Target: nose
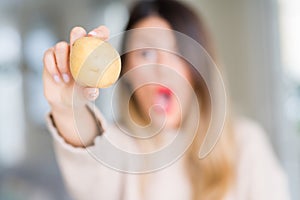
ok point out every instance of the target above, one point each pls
(164, 57)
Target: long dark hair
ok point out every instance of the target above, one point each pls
(212, 176)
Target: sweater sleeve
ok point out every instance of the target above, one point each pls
(84, 176)
(260, 175)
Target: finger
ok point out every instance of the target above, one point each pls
(76, 33)
(101, 32)
(91, 94)
(50, 65)
(61, 52)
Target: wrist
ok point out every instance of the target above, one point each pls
(67, 110)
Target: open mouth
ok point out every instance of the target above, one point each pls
(163, 98)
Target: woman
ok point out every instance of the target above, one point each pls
(241, 165)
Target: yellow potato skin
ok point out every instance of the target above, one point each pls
(94, 62)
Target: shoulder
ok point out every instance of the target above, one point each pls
(259, 173)
(249, 135)
(253, 143)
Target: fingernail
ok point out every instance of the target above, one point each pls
(66, 78)
(56, 78)
(93, 95)
(96, 34)
(93, 33)
(92, 92)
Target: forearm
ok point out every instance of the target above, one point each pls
(77, 127)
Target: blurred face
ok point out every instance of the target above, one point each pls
(165, 94)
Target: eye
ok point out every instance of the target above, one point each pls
(149, 55)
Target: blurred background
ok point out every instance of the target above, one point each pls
(257, 41)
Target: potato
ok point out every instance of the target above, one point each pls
(94, 62)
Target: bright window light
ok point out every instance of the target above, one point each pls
(290, 37)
